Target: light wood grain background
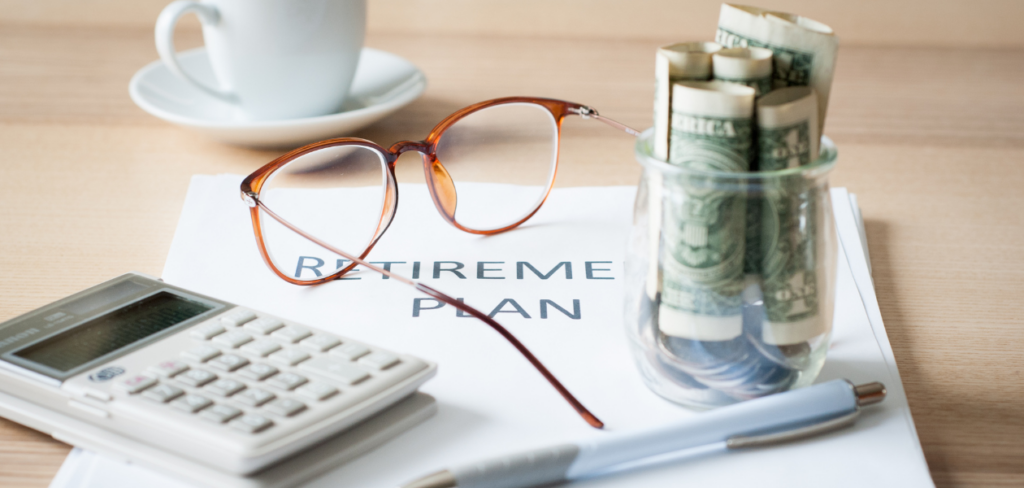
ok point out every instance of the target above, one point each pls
(957, 23)
(927, 111)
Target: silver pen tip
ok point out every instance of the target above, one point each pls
(440, 479)
(869, 393)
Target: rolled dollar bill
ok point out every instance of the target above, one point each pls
(804, 50)
(750, 66)
(687, 61)
(787, 121)
(702, 260)
(717, 114)
(788, 138)
(672, 63)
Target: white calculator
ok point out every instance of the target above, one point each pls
(143, 369)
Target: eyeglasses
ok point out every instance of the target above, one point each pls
(310, 194)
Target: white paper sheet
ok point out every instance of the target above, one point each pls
(490, 400)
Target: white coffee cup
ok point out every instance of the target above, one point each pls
(273, 59)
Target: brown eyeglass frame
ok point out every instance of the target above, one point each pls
(442, 191)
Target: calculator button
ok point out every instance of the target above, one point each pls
(317, 391)
(292, 334)
(206, 331)
(285, 407)
(229, 362)
(220, 413)
(287, 381)
(234, 338)
(251, 423)
(95, 394)
(264, 325)
(379, 360)
(289, 357)
(196, 377)
(136, 383)
(319, 343)
(254, 397)
(350, 351)
(168, 368)
(335, 369)
(192, 403)
(201, 353)
(163, 393)
(225, 387)
(261, 348)
(238, 317)
(258, 372)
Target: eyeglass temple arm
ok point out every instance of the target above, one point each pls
(590, 113)
(580, 409)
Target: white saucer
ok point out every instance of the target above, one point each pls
(383, 84)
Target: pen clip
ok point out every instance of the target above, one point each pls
(742, 441)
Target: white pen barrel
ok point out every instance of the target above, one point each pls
(791, 408)
(531, 468)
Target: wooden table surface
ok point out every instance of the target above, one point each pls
(930, 138)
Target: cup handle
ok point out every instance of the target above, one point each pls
(208, 15)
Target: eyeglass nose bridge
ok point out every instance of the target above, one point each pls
(401, 147)
(442, 188)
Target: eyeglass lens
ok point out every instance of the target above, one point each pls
(506, 145)
(336, 194)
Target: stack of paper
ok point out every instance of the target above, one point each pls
(490, 400)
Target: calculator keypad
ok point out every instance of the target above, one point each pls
(317, 391)
(351, 352)
(238, 317)
(264, 325)
(192, 403)
(225, 387)
(258, 371)
(196, 377)
(287, 381)
(169, 368)
(292, 334)
(136, 383)
(201, 353)
(379, 360)
(228, 362)
(255, 397)
(220, 413)
(243, 371)
(262, 347)
(251, 423)
(285, 407)
(163, 393)
(336, 369)
(207, 331)
(319, 343)
(233, 339)
(289, 357)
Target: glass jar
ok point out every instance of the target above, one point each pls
(730, 279)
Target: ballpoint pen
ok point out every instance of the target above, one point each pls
(770, 420)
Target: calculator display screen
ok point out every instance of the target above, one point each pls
(112, 331)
